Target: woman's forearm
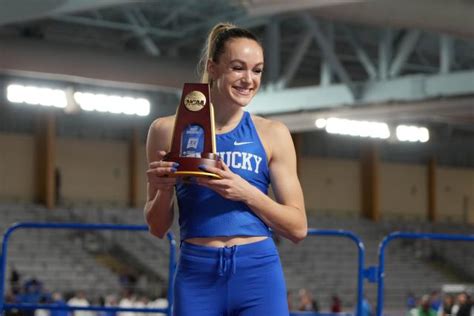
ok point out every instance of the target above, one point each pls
(288, 221)
(159, 213)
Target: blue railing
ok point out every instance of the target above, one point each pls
(319, 314)
(79, 226)
(373, 274)
(361, 259)
(403, 235)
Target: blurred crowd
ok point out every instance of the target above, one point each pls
(32, 291)
(436, 304)
(305, 302)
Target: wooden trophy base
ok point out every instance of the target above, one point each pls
(189, 166)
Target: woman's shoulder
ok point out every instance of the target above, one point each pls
(163, 124)
(160, 133)
(269, 126)
(273, 134)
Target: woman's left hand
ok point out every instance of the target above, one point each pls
(231, 185)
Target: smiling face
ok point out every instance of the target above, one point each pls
(237, 73)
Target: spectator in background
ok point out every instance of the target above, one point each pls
(127, 301)
(15, 281)
(32, 293)
(463, 305)
(336, 306)
(435, 300)
(366, 307)
(57, 299)
(411, 301)
(141, 302)
(79, 299)
(307, 303)
(11, 298)
(424, 308)
(447, 307)
(110, 301)
(40, 311)
(159, 302)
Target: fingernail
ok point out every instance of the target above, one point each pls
(202, 167)
(175, 164)
(173, 169)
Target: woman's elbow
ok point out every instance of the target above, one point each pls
(160, 233)
(299, 235)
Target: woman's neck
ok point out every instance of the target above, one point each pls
(226, 116)
(225, 119)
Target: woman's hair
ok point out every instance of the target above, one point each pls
(215, 45)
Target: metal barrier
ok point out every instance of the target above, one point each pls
(78, 226)
(373, 274)
(361, 272)
(404, 235)
(320, 314)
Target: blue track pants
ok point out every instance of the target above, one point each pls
(244, 280)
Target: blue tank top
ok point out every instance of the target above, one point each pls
(205, 213)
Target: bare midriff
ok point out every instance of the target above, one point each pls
(219, 242)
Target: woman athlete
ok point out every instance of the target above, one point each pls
(228, 263)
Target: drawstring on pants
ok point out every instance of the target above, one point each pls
(223, 267)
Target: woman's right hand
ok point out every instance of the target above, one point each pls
(158, 172)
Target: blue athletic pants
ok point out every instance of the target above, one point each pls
(243, 280)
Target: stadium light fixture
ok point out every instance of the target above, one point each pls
(33, 95)
(112, 103)
(62, 98)
(406, 133)
(320, 123)
(340, 126)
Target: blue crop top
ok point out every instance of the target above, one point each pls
(205, 213)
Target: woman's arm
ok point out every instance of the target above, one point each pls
(286, 216)
(160, 190)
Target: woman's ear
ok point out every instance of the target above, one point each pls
(211, 69)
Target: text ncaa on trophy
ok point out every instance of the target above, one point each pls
(194, 139)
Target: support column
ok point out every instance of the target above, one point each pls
(385, 53)
(132, 167)
(46, 160)
(446, 54)
(369, 164)
(326, 71)
(272, 38)
(431, 215)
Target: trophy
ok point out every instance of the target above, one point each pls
(194, 138)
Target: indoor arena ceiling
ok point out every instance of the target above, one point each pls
(381, 59)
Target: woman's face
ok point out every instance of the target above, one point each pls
(238, 71)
